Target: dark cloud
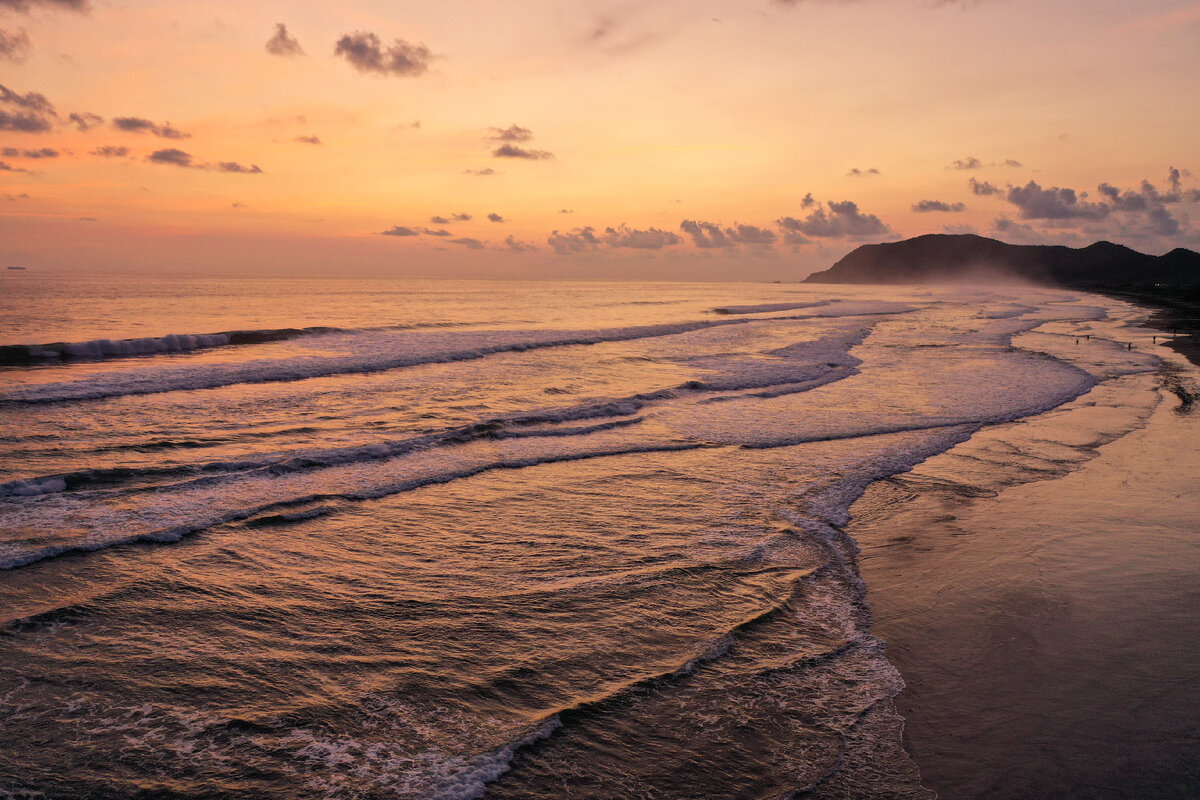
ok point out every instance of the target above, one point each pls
(750, 234)
(708, 235)
(1035, 202)
(862, 173)
(108, 151)
(510, 243)
(438, 232)
(468, 242)
(32, 102)
(14, 45)
(460, 217)
(649, 239)
(13, 152)
(1127, 201)
(837, 220)
(808, 201)
(84, 121)
(705, 235)
(233, 166)
(281, 44)
(795, 238)
(88, 219)
(1010, 162)
(439, 220)
(141, 125)
(484, 171)
(307, 139)
(82, 6)
(576, 240)
(937, 205)
(970, 162)
(983, 188)
(512, 151)
(566, 211)
(6, 167)
(1161, 221)
(15, 197)
(513, 133)
(398, 230)
(171, 155)
(493, 217)
(366, 53)
(23, 122)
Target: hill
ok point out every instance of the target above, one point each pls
(939, 258)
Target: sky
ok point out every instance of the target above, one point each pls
(699, 140)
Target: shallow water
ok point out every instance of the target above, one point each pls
(470, 539)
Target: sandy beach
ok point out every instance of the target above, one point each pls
(1046, 625)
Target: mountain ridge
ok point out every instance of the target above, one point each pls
(940, 257)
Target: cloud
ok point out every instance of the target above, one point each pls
(281, 44)
(6, 167)
(649, 239)
(970, 162)
(1011, 162)
(959, 229)
(82, 6)
(13, 152)
(85, 121)
(494, 217)
(141, 125)
(1161, 221)
(366, 53)
(439, 220)
(513, 133)
(576, 240)
(307, 139)
(807, 201)
(438, 232)
(937, 205)
(510, 243)
(861, 173)
(23, 122)
(460, 217)
(705, 235)
(108, 151)
(708, 235)
(566, 211)
(88, 219)
(398, 230)
(1035, 202)
(841, 220)
(233, 166)
(30, 101)
(983, 188)
(14, 46)
(750, 234)
(484, 171)
(15, 197)
(171, 155)
(468, 242)
(512, 151)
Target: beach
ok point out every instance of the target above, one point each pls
(1046, 623)
(458, 540)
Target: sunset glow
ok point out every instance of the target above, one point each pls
(234, 136)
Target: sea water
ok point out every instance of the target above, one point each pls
(334, 538)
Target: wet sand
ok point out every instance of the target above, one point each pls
(1039, 590)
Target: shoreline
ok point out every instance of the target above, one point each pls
(1041, 610)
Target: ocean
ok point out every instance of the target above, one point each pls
(371, 538)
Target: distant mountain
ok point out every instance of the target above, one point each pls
(938, 258)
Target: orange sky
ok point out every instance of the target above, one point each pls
(709, 140)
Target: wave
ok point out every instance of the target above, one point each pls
(15, 355)
(372, 353)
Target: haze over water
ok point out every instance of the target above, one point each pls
(526, 539)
